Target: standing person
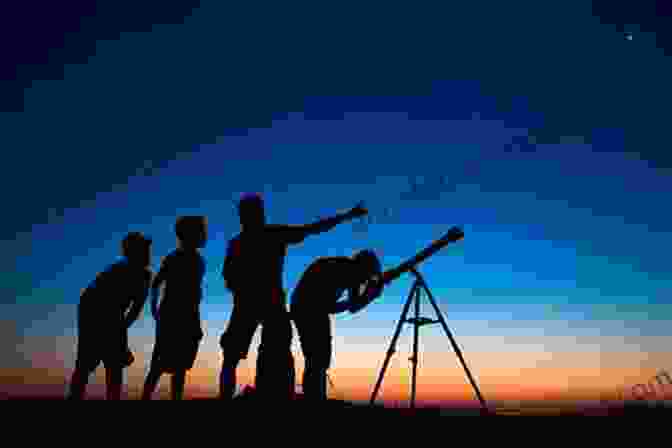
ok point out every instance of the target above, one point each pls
(108, 307)
(178, 320)
(253, 271)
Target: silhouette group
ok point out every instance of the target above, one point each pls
(253, 273)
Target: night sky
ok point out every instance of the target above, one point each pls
(536, 127)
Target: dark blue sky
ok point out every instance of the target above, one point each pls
(547, 125)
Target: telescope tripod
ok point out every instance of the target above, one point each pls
(417, 322)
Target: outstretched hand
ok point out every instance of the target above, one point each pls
(358, 210)
(454, 234)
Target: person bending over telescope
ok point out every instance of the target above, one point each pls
(317, 295)
(252, 271)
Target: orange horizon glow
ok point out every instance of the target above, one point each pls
(510, 377)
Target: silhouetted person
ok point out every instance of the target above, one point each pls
(317, 296)
(108, 307)
(178, 320)
(314, 299)
(253, 272)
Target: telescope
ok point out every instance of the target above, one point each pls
(373, 288)
(376, 281)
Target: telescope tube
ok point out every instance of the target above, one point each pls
(376, 284)
(453, 235)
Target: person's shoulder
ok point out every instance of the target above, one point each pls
(111, 276)
(172, 255)
(287, 233)
(133, 273)
(116, 268)
(235, 239)
(147, 274)
(273, 228)
(137, 277)
(187, 256)
(336, 259)
(119, 263)
(234, 243)
(326, 262)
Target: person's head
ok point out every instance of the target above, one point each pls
(191, 231)
(136, 248)
(251, 211)
(367, 267)
(367, 264)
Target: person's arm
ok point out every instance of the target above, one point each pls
(228, 270)
(324, 225)
(341, 307)
(156, 285)
(349, 304)
(138, 302)
(299, 233)
(373, 291)
(354, 306)
(377, 285)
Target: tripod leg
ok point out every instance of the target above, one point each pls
(454, 344)
(393, 343)
(414, 358)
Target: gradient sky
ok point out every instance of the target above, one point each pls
(561, 287)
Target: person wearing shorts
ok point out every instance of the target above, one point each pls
(178, 320)
(108, 306)
(253, 271)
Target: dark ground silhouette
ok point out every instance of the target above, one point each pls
(300, 407)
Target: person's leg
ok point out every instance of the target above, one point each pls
(153, 376)
(316, 345)
(151, 382)
(292, 376)
(303, 331)
(227, 378)
(78, 383)
(235, 343)
(113, 379)
(116, 353)
(178, 380)
(275, 366)
(85, 364)
(315, 381)
(185, 362)
(269, 371)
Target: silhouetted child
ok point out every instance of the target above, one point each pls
(253, 271)
(107, 308)
(178, 320)
(315, 298)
